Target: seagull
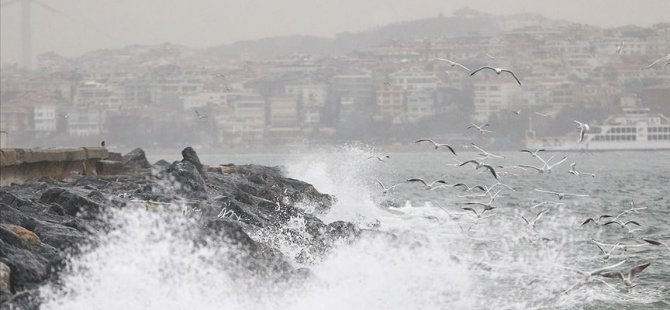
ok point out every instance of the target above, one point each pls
(619, 48)
(453, 63)
(531, 223)
(606, 255)
(622, 246)
(485, 153)
(517, 112)
(469, 189)
(599, 270)
(102, 143)
(573, 170)
(632, 209)
(386, 189)
(487, 206)
(200, 116)
(380, 158)
(533, 153)
(498, 71)
(583, 128)
(480, 128)
(544, 114)
(437, 145)
(561, 195)
(429, 186)
(657, 61)
(546, 167)
(591, 273)
(481, 165)
(624, 225)
(597, 222)
(628, 279)
(477, 214)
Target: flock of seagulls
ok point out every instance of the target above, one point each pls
(482, 201)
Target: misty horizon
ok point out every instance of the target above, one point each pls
(72, 31)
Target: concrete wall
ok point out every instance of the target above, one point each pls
(19, 165)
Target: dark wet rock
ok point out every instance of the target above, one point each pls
(73, 204)
(135, 160)
(187, 179)
(189, 155)
(44, 221)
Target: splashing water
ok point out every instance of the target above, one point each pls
(422, 257)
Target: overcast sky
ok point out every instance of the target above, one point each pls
(78, 26)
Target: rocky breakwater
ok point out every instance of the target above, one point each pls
(44, 222)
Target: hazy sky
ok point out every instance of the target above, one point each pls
(83, 25)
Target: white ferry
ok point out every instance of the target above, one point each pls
(636, 129)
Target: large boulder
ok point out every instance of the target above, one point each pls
(187, 179)
(136, 159)
(189, 155)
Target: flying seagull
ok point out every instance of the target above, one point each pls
(546, 167)
(477, 214)
(573, 170)
(429, 186)
(468, 188)
(386, 189)
(380, 158)
(583, 128)
(480, 128)
(547, 202)
(561, 195)
(533, 153)
(537, 217)
(606, 254)
(437, 145)
(632, 209)
(481, 165)
(517, 112)
(453, 63)
(622, 224)
(487, 206)
(597, 221)
(628, 279)
(498, 71)
(591, 273)
(485, 153)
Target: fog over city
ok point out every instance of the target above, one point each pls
(335, 154)
(256, 74)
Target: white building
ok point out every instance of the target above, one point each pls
(420, 104)
(85, 121)
(44, 117)
(415, 79)
(494, 96)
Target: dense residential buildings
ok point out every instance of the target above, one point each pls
(170, 93)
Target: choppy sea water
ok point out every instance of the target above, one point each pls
(444, 257)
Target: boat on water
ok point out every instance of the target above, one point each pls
(635, 129)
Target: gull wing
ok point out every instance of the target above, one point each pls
(530, 167)
(587, 221)
(417, 180)
(637, 269)
(449, 147)
(469, 161)
(482, 68)
(558, 162)
(600, 270)
(493, 171)
(513, 75)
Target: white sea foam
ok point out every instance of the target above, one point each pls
(427, 258)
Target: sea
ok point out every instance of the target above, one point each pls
(440, 256)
